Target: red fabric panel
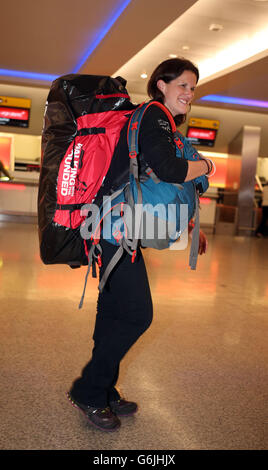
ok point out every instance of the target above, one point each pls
(92, 158)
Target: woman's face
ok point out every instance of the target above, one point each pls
(178, 93)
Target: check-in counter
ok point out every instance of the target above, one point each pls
(18, 197)
(208, 206)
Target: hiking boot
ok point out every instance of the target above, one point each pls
(123, 407)
(101, 418)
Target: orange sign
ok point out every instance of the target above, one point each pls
(15, 102)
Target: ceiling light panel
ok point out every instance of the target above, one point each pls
(27, 75)
(235, 100)
(241, 21)
(102, 33)
(86, 41)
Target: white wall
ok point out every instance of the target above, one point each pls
(262, 167)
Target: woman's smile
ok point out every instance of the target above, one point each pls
(179, 93)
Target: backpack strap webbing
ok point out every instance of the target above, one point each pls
(92, 257)
(195, 235)
(133, 144)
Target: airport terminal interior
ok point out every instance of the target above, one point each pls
(199, 374)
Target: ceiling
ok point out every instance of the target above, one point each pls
(59, 37)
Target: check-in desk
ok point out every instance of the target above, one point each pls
(18, 197)
(208, 206)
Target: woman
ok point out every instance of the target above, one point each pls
(124, 309)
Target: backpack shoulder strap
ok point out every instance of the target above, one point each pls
(134, 127)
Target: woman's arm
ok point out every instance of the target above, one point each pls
(196, 169)
(159, 151)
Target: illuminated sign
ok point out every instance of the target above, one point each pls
(202, 131)
(203, 134)
(14, 111)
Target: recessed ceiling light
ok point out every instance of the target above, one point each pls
(144, 75)
(237, 52)
(215, 27)
(185, 48)
(172, 56)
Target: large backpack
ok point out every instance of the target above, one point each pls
(83, 120)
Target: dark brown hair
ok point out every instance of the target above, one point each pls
(168, 71)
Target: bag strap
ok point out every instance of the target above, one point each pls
(133, 144)
(92, 257)
(195, 235)
(134, 126)
(133, 134)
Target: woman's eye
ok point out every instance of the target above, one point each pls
(184, 85)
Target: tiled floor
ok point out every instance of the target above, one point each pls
(199, 374)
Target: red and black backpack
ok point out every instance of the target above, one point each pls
(82, 124)
(84, 116)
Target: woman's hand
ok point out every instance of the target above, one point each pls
(203, 242)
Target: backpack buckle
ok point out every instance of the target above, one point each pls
(178, 143)
(133, 256)
(117, 234)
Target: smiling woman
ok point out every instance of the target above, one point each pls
(173, 84)
(174, 80)
(179, 92)
(124, 306)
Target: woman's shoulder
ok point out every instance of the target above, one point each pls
(156, 116)
(155, 109)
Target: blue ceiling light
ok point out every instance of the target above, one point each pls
(101, 34)
(31, 75)
(234, 100)
(48, 77)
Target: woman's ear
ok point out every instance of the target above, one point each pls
(161, 85)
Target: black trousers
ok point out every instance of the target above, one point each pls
(124, 312)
